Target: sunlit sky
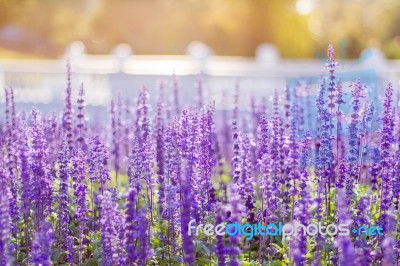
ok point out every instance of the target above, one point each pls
(298, 28)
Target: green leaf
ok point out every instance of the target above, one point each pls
(91, 262)
(204, 261)
(278, 263)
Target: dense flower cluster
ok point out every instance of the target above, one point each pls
(123, 190)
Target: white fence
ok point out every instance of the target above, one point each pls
(42, 82)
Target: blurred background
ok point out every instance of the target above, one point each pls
(298, 28)
(116, 46)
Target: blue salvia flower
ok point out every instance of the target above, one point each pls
(25, 178)
(388, 245)
(120, 226)
(206, 161)
(187, 144)
(354, 139)
(143, 124)
(246, 181)
(63, 199)
(6, 248)
(172, 165)
(225, 130)
(293, 159)
(159, 132)
(80, 192)
(302, 215)
(198, 193)
(53, 132)
(325, 154)
(41, 180)
(171, 155)
(236, 160)
(254, 117)
(145, 252)
(135, 166)
(148, 158)
(171, 215)
(189, 156)
(70, 250)
(342, 175)
(386, 169)
(98, 158)
(81, 123)
(116, 137)
(302, 212)
(396, 181)
(42, 245)
(127, 135)
(187, 150)
(389, 254)
(357, 94)
(234, 251)
(273, 166)
(340, 145)
(131, 226)
(263, 139)
(368, 115)
(108, 229)
(12, 149)
(67, 116)
(331, 64)
(220, 247)
(374, 168)
(362, 246)
(344, 243)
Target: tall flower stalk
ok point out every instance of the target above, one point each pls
(80, 192)
(42, 245)
(386, 162)
(62, 231)
(6, 247)
(81, 123)
(97, 169)
(41, 180)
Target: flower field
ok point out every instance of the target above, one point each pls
(131, 188)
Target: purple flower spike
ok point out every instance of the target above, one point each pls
(26, 189)
(187, 242)
(237, 209)
(81, 125)
(116, 128)
(42, 245)
(246, 181)
(344, 243)
(41, 180)
(62, 231)
(12, 149)
(220, 247)
(108, 228)
(131, 226)
(145, 251)
(188, 202)
(80, 191)
(159, 132)
(135, 167)
(67, 121)
(98, 158)
(70, 249)
(386, 163)
(6, 248)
